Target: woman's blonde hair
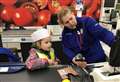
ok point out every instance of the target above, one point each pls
(63, 13)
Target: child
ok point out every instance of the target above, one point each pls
(41, 54)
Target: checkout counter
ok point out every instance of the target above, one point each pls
(104, 73)
(21, 40)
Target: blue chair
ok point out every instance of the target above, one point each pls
(7, 55)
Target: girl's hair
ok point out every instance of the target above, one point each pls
(35, 44)
(63, 13)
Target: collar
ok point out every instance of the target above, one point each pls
(44, 52)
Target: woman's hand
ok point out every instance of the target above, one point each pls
(81, 64)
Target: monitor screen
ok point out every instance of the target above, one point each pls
(117, 6)
(118, 1)
(109, 3)
(114, 55)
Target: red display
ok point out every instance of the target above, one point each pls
(8, 2)
(22, 17)
(54, 6)
(7, 13)
(92, 8)
(44, 17)
(41, 3)
(65, 2)
(39, 12)
(32, 7)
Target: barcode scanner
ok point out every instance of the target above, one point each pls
(79, 57)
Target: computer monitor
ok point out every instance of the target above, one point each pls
(117, 7)
(118, 1)
(109, 3)
(114, 56)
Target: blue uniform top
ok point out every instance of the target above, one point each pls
(86, 39)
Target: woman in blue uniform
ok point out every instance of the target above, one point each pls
(82, 35)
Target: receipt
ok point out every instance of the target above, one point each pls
(4, 69)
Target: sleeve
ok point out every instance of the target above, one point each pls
(67, 48)
(100, 32)
(69, 53)
(33, 62)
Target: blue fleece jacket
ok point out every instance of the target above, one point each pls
(86, 39)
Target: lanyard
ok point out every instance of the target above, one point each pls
(80, 37)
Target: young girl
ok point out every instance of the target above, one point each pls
(41, 54)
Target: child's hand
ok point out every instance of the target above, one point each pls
(44, 60)
(52, 62)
